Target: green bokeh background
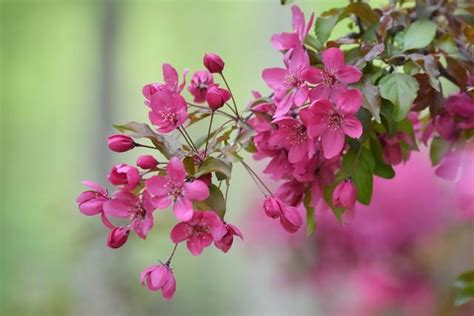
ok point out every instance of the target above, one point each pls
(69, 70)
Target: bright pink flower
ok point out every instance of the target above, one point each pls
(289, 84)
(168, 111)
(118, 236)
(291, 135)
(213, 63)
(332, 121)
(124, 175)
(290, 217)
(291, 192)
(159, 278)
(174, 188)
(334, 78)
(446, 127)
(147, 162)
(91, 202)
(128, 205)
(344, 195)
(200, 83)
(200, 231)
(170, 85)
(226, 241)
(284, 41)
(216, 97)
(462, 105)
(120, 143)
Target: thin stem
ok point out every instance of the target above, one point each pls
(217, 111)
(225, 198)
(231, 95)
(172, 254)
(190, 139)
(145, 146)
(191, 145)
(208, 134)
(256, 182)
(250, 170)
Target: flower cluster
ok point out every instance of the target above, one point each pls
(339, 113)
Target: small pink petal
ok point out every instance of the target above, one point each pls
(348, 74)
(350, 101)
(196, 190)
(351, 126)
(176, 171)
(333, 58)
(332, 142)
(181, 232)
(183, 209)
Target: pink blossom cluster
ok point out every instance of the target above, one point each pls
(303, 127)
(152, 185)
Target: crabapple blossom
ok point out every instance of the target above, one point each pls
(168, 111)
(290, 217)
(118, 236)
(226, 241)
(285, 41)
(200, 231)
(91, 202)
(125, 175)
(331, 121)
(216, 97)
(201, 81)
(147, 162)
(174, 188)
(213, 63)
(344, 194)
(170, 85)
(159, 278)
(120, 143)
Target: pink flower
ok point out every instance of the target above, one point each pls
(335, 76)
(446, 127)
(120, 143)
(199, 232)
(170, 85)
(291, 135)
(226, 241)
(124, 175)
(174, 188)
(284, 41)
(147, 162)
(216, 97)
(91, 202)
(290, 217)
(168, 111)
(344, 195)
(332, 121)
(462, 105)
(291, 192)
(128, 205)
(118, 236)
(200, 83)
(289, 84)
(159, 278)
(213, 63)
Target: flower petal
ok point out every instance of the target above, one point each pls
(196, 190)
(181, 232)
(348, 74)
(332, 142)
(176, 171)
(169, 288)
(194, 245)
(156, 185)
(274, 77)
(117, 208)
(349, 102)
(333, 58)
(351, 126)
(284, 41)
(183, 209)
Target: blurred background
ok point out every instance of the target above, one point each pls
(69, 70)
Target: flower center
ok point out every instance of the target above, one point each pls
(174, 189)
(293, 80)
(138, 212)
(329, 78)
(168, 115)
(296, 134)
(335, 120)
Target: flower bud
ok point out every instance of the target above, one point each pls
(118, 237)
(273, 207)
(159, 278)
(216, 97)
(344, 194)
(213, 63)
(123, 174)
(147, 162)
(120, 143)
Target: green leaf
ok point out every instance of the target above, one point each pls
(167, 145)
(360, 166)
(372, 101)
(381, 169)
(363, 11)
(419, 34)
(438, 148)
(221, 168)
(465, 279)
(401, 90)
(465, 284)
(310, 221)
(326, 23)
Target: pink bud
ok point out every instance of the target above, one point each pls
(216, 97)
(213, 63)
(125, 175)
(159, 278)
(273, 207)
(344, 194)
(147, 162)
(120, 143)
(118, 237)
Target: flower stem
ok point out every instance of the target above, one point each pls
(171, 256)
(145, 146)
(217, 111)
(208, 134)
(231, 95)
(250, 171)
(188, 140)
